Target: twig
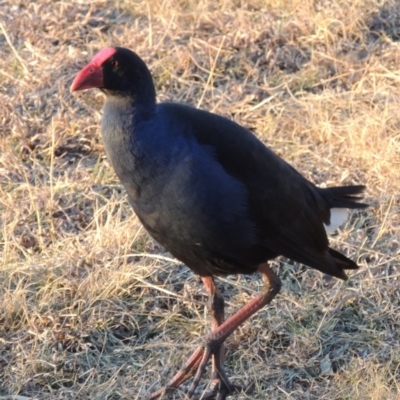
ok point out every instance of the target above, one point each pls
(210, 75)
(13, 49)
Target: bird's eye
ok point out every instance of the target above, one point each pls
(114, 63)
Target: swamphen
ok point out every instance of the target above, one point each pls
(213, 195)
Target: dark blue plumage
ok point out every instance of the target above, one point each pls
(206, 188)
(211, 193)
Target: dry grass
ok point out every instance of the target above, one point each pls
(91, 307)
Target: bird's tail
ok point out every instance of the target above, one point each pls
(342, 261)
(345, 196)
(338, 199)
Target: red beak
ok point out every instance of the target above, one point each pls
(89, 77)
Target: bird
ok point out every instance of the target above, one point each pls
(213, 195)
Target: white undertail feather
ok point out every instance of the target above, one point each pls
(338, 217)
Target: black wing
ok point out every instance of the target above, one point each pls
(287, 210)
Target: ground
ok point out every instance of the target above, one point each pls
(91, 306)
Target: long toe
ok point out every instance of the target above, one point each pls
(200, 372)
(188, 370)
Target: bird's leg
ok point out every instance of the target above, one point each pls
(216, 300)
(214, 340)
(197, 362)
(219, 379)
(217, 308)
(216, 304)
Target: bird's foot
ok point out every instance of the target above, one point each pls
(187, 371)
(220, 386)
(220, 389)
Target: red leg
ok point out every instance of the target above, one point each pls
(213, 341)
(219, 380)
(217, 303)
(217, 308)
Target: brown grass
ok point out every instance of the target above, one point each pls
(91, 306)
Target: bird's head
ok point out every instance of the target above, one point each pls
(116, 71)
